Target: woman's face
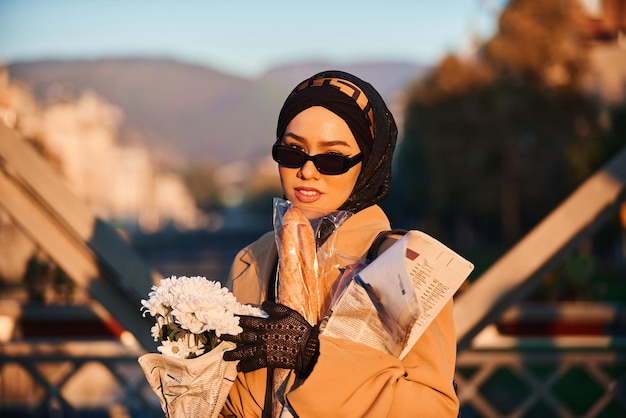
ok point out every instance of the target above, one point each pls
(317, 130)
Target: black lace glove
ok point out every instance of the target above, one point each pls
(284, 340)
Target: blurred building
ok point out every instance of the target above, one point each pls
(120, 184)
(604, 27)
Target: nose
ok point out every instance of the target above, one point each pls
(308, 171)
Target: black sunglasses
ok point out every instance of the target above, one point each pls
(331, 164)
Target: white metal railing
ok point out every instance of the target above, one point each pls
(69, 378)
(580, 374)
(542, 383)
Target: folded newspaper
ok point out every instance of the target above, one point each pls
(390, 302)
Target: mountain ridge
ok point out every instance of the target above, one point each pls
(192, 112)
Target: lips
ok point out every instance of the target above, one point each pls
(307, 195)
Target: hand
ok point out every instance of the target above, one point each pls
(284, 340)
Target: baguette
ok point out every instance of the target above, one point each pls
(298, 285)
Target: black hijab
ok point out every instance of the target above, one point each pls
(369, 119)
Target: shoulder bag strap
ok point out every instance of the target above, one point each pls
(380, 238)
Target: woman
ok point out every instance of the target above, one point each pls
(334, 148)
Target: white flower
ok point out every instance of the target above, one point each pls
(179, 348)
(161, 298)
(190, 307)
(249, 310)
(222, 321)
(155, 331)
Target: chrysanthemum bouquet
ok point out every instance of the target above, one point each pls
(189, 376)
(191, 313)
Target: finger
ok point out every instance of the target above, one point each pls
(240, 353)
(241, 338)
(231, 355)
(251, 364)
(231, 338)
(248, 337)
(251, 323)
(275, 309)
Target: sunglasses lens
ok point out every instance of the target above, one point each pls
(325, 163)
(330, 164)
(289, 157)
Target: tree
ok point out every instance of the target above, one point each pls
(495, 142)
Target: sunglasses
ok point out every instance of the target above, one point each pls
(331, 164)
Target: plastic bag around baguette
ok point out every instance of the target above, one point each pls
(307, 263)
(307, 268)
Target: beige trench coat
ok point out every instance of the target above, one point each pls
(349, 378)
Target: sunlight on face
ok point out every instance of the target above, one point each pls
(317, 130)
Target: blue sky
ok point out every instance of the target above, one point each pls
(243, 37)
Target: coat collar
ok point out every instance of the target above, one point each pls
(354, 237)
(356, 234)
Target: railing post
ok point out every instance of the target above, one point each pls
(518, 271)
(90, 252)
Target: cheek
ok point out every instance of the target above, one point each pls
(286, 177)
(345, 184)
(352, 177)
(284, 173)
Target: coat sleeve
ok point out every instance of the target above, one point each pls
(369, 383)
(246, 396)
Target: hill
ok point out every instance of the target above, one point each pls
(189, 112)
